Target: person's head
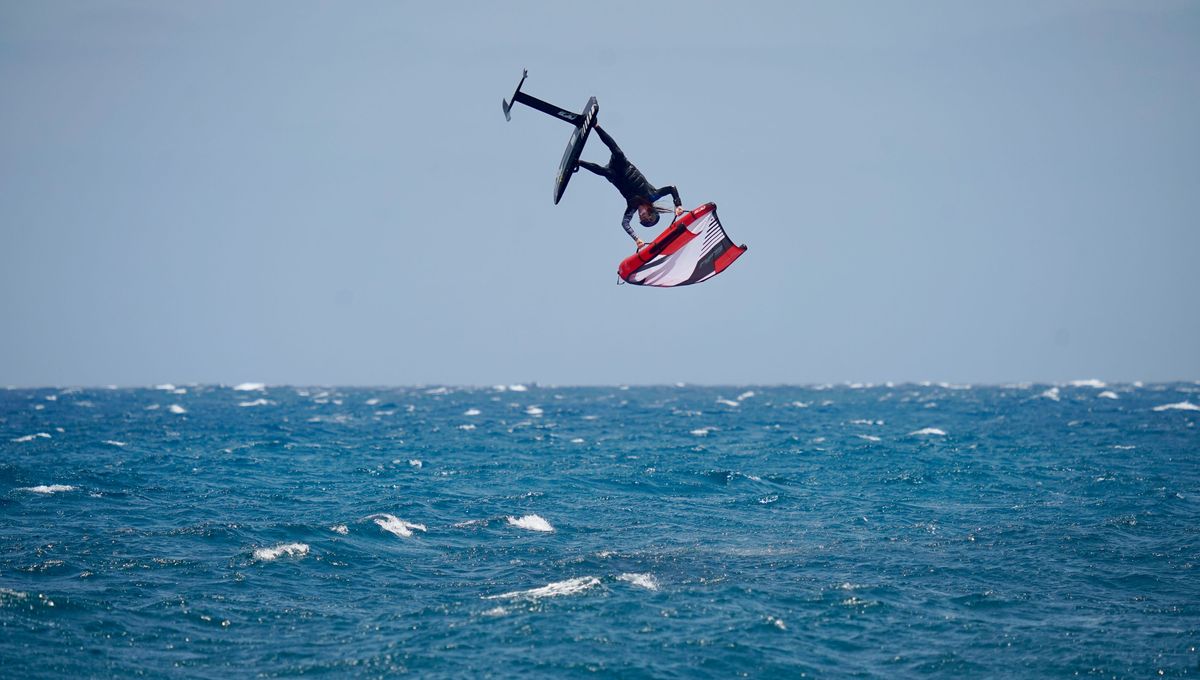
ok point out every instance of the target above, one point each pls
(647, 214)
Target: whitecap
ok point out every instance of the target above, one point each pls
(1178, 406)
(31, 437)
(112, 442)
(533, 411)
(340, 529)
(275, 552)
(48, 488)
(1051, 394)
(415, 463)
(256, 402)
(531, 522)
(517, 388)
(438, 390)
(471, 412)
(928, 431)
(577, 440)
(571, 586)
(372, 402)
(1091, 382)
(777, 622)
(1107, 394)
(801, 404)
(395, 525)
(871, 437)
(745, 395)
(702, 431)
(727, 402)
(468, 427)
(165, 387)
(176, 409)
(646, 581)
(249, 387)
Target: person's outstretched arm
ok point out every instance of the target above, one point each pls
(668, 190)
(628, 229)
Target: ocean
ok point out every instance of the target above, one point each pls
(908, 530)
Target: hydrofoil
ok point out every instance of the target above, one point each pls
(583, 122)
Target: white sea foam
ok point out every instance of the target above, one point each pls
(646, 581)
(1107, 394)
(176, 409)
(861, 421)
(1178, 406)
(152, 407)
(1051, 394)
(249, 387)
(1091, 382)
(531, 522)
(468, 427)
(745, 395)
(415, 463)
(517, 388)
(801, 404)
(471, 412)
(702, 431)
(340, 529)
(165, 387)
(31, 437)
(929, 431)
(438, 390)
(372, 402)
(275, 552)
(577, 440)
(256, 402)
(571, 586)
(869, 437)
(727, 402)
(777, 622)
(48, 488)
(533, 411)
(395, 525)
(112, 442)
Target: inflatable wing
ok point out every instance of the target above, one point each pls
(693, 249)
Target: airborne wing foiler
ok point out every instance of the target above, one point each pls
(694, 248)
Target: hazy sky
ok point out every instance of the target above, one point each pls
(328, 193)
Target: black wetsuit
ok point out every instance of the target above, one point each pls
(628, 180)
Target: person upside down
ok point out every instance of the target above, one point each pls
(639, 194)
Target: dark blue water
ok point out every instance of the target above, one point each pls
(901, 530)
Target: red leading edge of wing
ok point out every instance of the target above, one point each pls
(728, 257)
(667, 242)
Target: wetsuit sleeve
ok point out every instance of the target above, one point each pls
(668, 190)
(625, 223)
(598, 169)
(609, 142)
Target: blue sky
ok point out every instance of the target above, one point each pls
(298, 192)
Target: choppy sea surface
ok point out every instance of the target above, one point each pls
(677, 531)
